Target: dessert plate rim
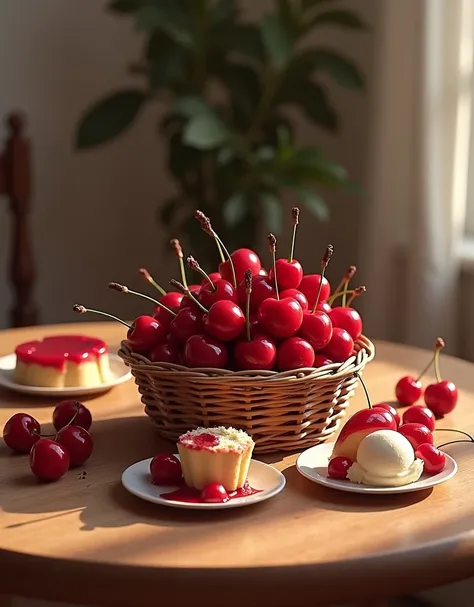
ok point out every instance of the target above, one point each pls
(119, 370)
(136, 480)
(317, 457)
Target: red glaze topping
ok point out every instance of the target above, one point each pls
(55, 351)
(202, 441)
(193, 496)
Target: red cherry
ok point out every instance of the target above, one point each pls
(324, 307)
(441, 398)
(21, 432)
(145, 333)
(214, 493)
(391, 410)
(49, 460)
(258, 354)
(340, 347)
(408, 390)
(298, 295)
(187, 322)
(321, 360)
(225, 320)
(222, 290)
(295, 353)
(434, 459)
(77, 442)
(166, 352)
(165, 469)
(417, 434)
(262, 289)
(289, 273)
(214, 276)
(309, 286)
(171, 300)
(65, 412)
(348, 319)
(280, 317)
(316, 328)
(338, 467)
(205, 351)
(242, 259)
(262, 272)
(187, 302)
(420, 415)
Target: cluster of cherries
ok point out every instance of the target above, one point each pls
(53, 455)
(418, 422)
(165, 469)
(245, 318)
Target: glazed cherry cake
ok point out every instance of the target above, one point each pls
(61, 361)
(215, 455)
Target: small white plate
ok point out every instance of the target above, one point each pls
(313, 464)
(120, 374)
(136, 479)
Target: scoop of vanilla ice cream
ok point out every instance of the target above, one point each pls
(385, 458)
(385, 452)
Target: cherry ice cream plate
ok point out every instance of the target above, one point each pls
(313, 464)
(264, 479)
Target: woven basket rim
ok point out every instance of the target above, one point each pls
(351, 366)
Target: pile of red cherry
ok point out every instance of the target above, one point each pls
(52, 456)
(418, 422)
(245, 318)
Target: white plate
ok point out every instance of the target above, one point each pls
(313, 464)
(269, 480)
(120, 374)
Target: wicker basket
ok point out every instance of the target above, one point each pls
(281, 411)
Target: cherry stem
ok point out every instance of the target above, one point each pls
(231, 263)
(185, 291)
(79, 309)
(324, 265)
(453, 442)
(356, 373)
(438, 346)
(179, 253)
(147, 276)
(194, 265)
(115, 286)
(296, 213)
(335, 296)
(248, 291)
(272, 243)
(357, 292)
(207, 227)
(471, 439)
(344, 283)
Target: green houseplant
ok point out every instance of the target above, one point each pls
(227, 85)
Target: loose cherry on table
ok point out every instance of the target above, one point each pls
(340, 347)
(71, 411)
(434, 460)
(165, 469)
(49, 460)
(388, 407)
(316, 327)
(290, 271)
(294, 353)
(338, 467)
(417, 434)
(409, 389)
(21, 432)
(441, 397)
(206, 352)
(279, 317)
(420, 415)
(77, 442)
(254, 352)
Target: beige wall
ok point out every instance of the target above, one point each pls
(94, 216)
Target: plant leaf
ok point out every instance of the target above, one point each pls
(205, 131)
(307, 4)
(225, 11)
(272, 212)
(166, 60)
(234, 209)
(108, 118)
(343, 70)
(242, 39)
(167, 16)
(314, 203)
(182, 159)
(313, 100)
(341, 18)
(276, 40)
(125, 6)
(243, 84)
(191, 106)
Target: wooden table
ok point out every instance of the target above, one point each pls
(90, 541)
